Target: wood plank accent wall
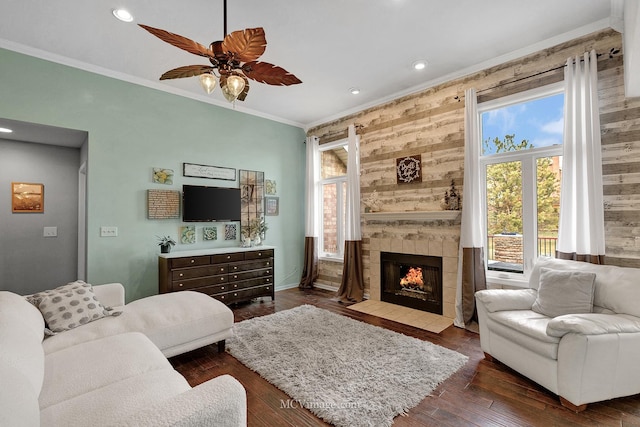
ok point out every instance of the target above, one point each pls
(431, 123)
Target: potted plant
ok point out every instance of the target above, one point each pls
(165, 244)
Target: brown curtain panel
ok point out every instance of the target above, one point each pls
(473, 280)
(310, 268)
(352, 285)
(593, 259)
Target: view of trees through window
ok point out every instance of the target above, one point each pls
(522, 181)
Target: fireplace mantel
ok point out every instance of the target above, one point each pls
(422, 216)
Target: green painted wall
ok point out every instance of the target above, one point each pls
(132, 129)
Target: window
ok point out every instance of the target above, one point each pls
(521, 162)
(333, 184)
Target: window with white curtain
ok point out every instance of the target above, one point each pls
(521, 167)
(333, 188)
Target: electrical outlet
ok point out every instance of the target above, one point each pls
(108, 231)
(50, 232)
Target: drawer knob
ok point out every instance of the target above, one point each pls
(181, 274)
(222, 269)
(268, 263)
(235, 286)
(235, 276)
(267, 279)
(259, 253)
(222, 288)
(228, 256)
(235, 295)
(221, 296)
(192, 261)
(180, 285)
(235, 267)
(267, 288)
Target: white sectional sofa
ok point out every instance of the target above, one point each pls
(112, 371)
(587, 355)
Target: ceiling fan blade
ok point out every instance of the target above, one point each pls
(270, 74)
(186, 71)
(179, 41)
(246, 45)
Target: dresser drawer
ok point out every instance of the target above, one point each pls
(222, 258)
(181, 285)
(250, 265)
(188, 273)
(250, 274)
(267, 253)
(244, 294)
(190, 261)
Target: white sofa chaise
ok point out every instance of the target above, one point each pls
(584, 357)
(112, 371)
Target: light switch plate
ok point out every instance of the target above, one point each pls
(108, 231)
(50, 232)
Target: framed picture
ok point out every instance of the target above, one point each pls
(27, 197)
(206, 171)
(272, 206)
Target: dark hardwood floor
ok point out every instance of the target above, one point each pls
(482, 393)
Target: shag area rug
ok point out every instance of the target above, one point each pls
(348, 373)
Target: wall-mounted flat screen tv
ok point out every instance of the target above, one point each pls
(204, 204)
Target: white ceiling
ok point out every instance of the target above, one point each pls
(331, 45)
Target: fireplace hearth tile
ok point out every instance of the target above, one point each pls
(407, 316)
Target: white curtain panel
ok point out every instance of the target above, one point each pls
(311, 192)
(581, 229)
(352, 217)
(471, 232)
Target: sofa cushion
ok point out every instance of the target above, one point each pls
(69, 306)
(82, 368)
(526, 328)
(18, 399)
(122, 399)
(616, 288)
(564, 292)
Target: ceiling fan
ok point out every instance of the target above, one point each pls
(235, 58)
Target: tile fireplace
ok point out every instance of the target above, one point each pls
(411, 280)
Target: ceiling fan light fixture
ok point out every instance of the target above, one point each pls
(208, 82)
(122, 14)
(235, 85)
(354, 91)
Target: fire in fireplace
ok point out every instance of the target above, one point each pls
(412, 281)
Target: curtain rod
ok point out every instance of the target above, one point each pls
(612, 52)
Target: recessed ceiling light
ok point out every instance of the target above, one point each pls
(123, 15)
(354, 91)
(5, 130)
(420, 65)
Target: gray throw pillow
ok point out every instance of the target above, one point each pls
(564, 292)
(69, 306)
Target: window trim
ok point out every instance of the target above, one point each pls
(529, 169)
(339, 256)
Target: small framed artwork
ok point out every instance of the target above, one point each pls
(188, 234)
(270, 186)
(272, 206)
(27, 197)
(207, 171)
(409, 169)
(163, 176)
(210, 233)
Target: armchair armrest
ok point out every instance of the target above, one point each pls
(110, 294)
(220, 402)
(593, 324)
(506, 299)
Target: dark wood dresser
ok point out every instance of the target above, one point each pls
(227, 274)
